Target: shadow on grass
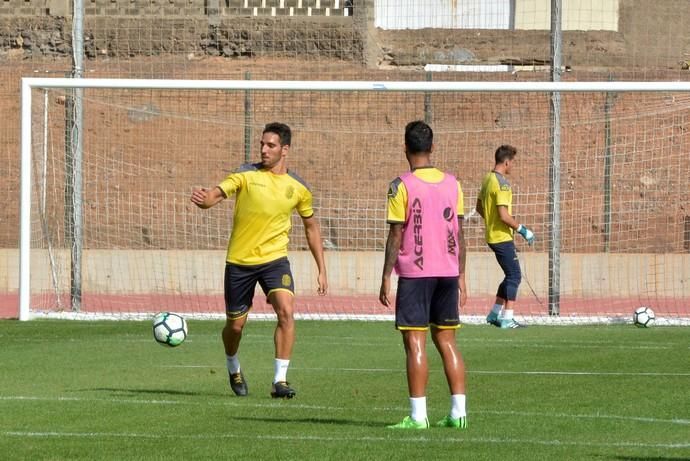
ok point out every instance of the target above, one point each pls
(117, 391)
(324, 421)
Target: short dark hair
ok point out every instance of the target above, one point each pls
(282, 130)
(419, 137)
(505, 152)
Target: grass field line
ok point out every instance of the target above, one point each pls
(643, 419)
(351, 438)
(510, 340)
(579, 344)
(507, 372)
(479, 372)
(581, 373)
(357, 342)
(294, 405)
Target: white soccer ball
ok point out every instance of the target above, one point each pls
(644, 317)
(169, 329)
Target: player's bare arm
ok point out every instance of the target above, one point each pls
(506, 217)
(313, 234)
(206, 198)
(462, 258)
(393, 243)
(479, 208)
(519, 228)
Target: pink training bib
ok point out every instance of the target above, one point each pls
(429, 245)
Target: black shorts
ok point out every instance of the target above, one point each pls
(240, 283)
(421, 302)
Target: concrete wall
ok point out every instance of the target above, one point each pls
(226, 36)
(390, 14)
(623, 35)
(123, 272)
(181, 8)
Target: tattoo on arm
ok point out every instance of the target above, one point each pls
(392, 248)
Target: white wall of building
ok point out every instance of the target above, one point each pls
(495, 14)
(443, 14)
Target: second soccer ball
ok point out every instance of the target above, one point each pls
(644, 317)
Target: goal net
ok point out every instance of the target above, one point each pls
(108, 229)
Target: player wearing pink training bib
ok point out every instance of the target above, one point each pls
(426, 246)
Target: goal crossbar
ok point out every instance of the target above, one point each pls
(350, 85)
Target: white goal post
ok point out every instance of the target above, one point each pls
(662, 277)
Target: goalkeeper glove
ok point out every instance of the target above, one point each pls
(526, 233)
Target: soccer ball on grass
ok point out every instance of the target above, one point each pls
(169, 329)
(643, 317)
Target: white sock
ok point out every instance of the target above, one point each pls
(457, 406)
(497, 309)
(280, 368)
(418, 405)
(508, 314)
(233, 363)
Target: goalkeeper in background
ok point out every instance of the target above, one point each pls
(266, 194)
(426, 246)
(494, 204)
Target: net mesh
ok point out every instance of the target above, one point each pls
(147, 247)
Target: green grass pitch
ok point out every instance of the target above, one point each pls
(105, 390)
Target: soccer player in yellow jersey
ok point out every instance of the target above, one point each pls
(494, 204)
(266, 194)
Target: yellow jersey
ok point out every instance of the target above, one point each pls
(397, 194)
(263, 208)
(495, 192)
